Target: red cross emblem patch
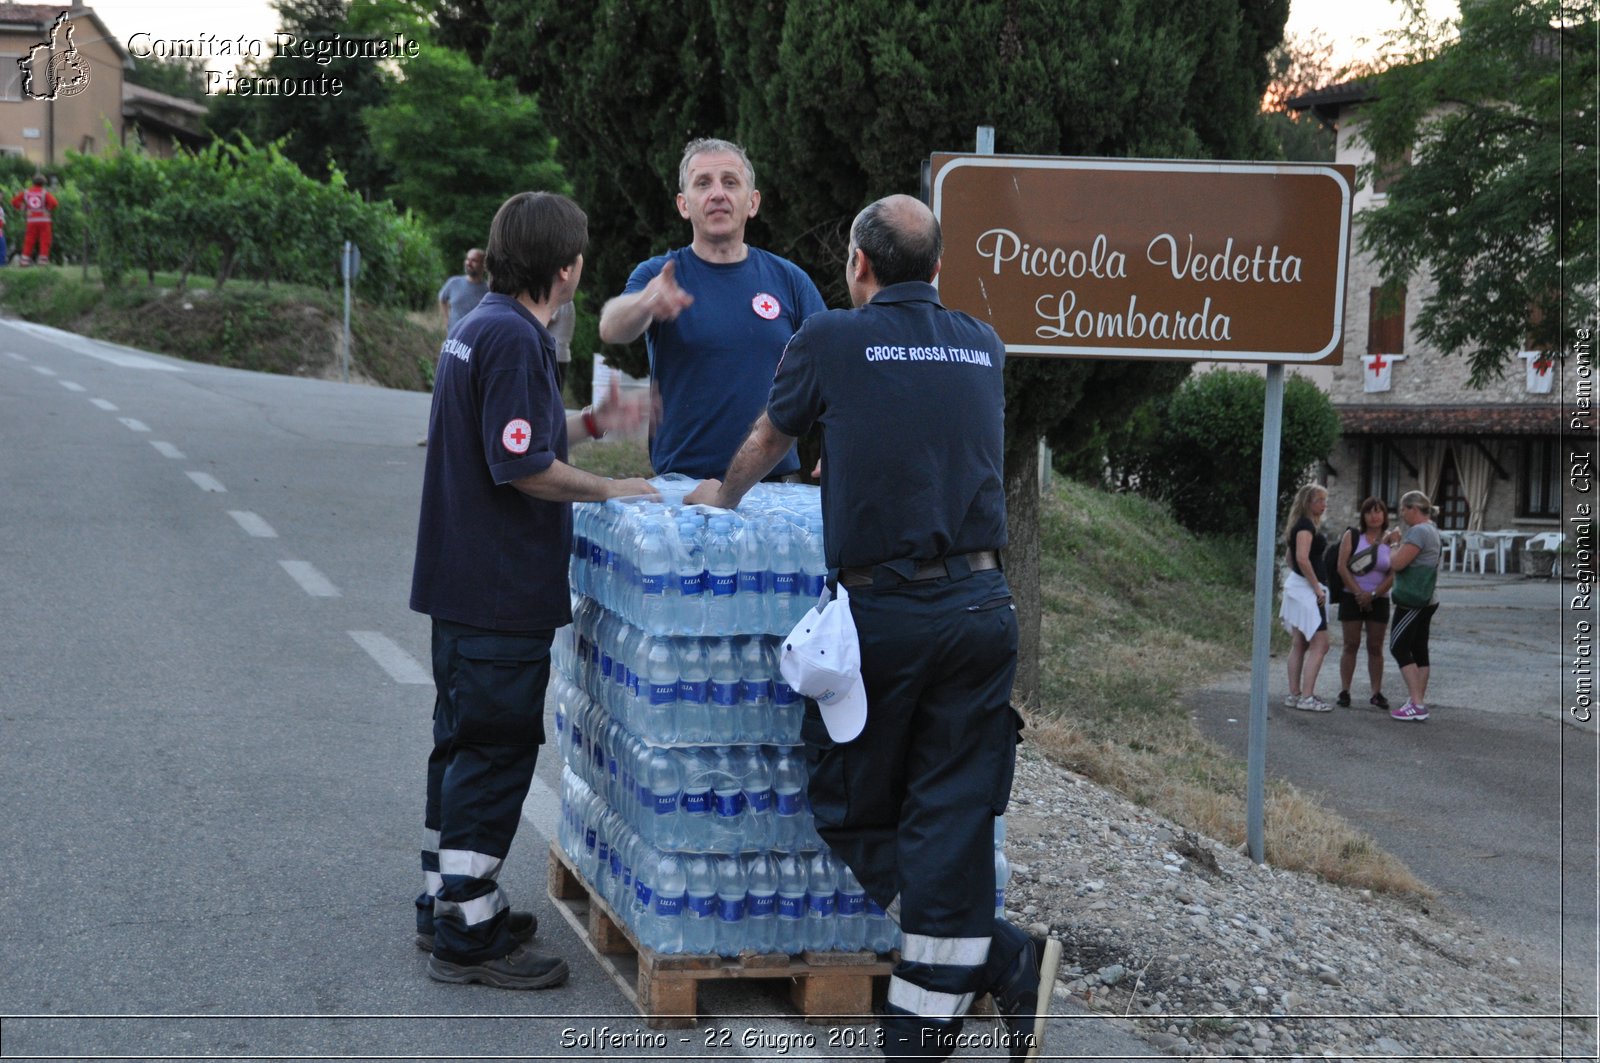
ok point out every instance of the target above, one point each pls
(766, 306)
(516, 436)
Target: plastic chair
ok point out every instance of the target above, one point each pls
(1484, 548)
(1551, 541)
(1449, 542)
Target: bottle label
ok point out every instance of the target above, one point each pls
(703, 907)
(792, 907)
(611, 560)
(627, 878)
(697, 804)
(1000, 898)
(725, 693)
(663, 693)
(760, 690)
(588, 839)
(692, 584)
(730, 805)
(605, 665)
(603, 854)
(783, 694)
(873, 908)
(852, 903)
(785, 583)
(647, 797)
(760, 801)
(653, 585)
(790, 804)
(597, 554)
(753, 582)
(822, 904)
(611, 766)
(693, 693)
(633, 684)
(642, 893)
(730, 911)
(762, 906)
(665, 804)
(577, 737)
(723, 585)
(813, 584)
(669, 907)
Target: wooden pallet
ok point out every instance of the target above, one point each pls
(826, 987)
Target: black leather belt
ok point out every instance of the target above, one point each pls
(977, 561)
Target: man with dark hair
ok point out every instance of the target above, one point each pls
(491, 570)
(715, 316)
(38, 209)
(912, 401)
(461, 293)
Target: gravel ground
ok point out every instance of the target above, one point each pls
(1208, 954)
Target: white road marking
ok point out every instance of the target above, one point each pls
(167, 450)
(253, 524)
(311, 581)
(109, 407)
(70, 386)
(206, 482)
(134, 425)
(14, 354)
(401, 666)
(44, 370)
(125, 357)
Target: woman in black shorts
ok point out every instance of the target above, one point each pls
(1365, 605)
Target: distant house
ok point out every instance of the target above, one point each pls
(61, 82)
(160, 123)
(1491, 458)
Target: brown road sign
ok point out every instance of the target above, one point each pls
(1181, 261)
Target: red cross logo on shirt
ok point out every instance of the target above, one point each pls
(514, 437)
(1378, 364)
(765, 306)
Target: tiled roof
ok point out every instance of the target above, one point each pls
(1487, 419)
(1335, 96)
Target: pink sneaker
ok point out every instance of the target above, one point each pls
(1409, 711)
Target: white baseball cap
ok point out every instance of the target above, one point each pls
(821, 659)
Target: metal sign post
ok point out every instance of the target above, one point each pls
(349, 268)
(1261, 628)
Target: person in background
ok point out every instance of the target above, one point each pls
(1415, 601)
(461, 293)
(1365, 609)
(715, 315)
(1305, 597)
(38, 207)
(493, 539)
(562, 324)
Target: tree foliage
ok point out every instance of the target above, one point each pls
(1497, 205)
(1205, 458)
(1300, 65)
(175, 76)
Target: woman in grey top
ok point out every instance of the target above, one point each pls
(1408, 634)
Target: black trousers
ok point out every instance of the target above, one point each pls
(488, 724)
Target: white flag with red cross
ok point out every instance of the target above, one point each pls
(1541, 371)
(1376, 371)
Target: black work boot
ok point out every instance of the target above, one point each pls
(523, 925)
(521, 968)
(1022, 995)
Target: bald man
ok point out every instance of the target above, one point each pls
(911, 398)
(462, 293)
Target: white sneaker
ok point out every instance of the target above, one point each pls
(1312, 703)
(1291, 701)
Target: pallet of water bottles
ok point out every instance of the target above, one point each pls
(670, 569)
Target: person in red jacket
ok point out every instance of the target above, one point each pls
(37, 205)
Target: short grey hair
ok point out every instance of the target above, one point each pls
(706, 145)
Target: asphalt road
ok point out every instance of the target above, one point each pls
(1492, 801)
(213, 727)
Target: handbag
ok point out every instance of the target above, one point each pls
(1362, 561)
(1413, 586)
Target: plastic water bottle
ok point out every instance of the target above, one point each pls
(660, 689)
(694, 691)
(663, 776)
(761, 909)
(561, 699)
(688, 559)
(852, 922)
(700, 906)
(790, 935)
(694, 808)
(822, 890)
(658, 584)
(881, 931)
(756, 776)
(723, 658)
(670, 887)
(727, 804)
(783, 555)
(788, 710)
(620, 881)
(756, 666)
(752, 557)
(1002, 867)
(813, 564)
(732, 890)
(722, 566)
(788, 792)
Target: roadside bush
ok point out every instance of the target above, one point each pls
(1205, 458)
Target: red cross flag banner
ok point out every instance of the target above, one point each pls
(1377, 370)
(1541, 371)
(1148, 259)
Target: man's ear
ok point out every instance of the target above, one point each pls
(755, 202)
(936, 267)
(860, 266)
(683, 207)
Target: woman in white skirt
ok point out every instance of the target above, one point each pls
(1305, 596)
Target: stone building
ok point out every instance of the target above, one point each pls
(61, 77)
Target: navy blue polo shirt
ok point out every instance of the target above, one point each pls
(911, 398)
(714, 363)
(487, 554)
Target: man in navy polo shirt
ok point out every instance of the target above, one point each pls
(715, 316)
(491, 570)
(911, 398)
